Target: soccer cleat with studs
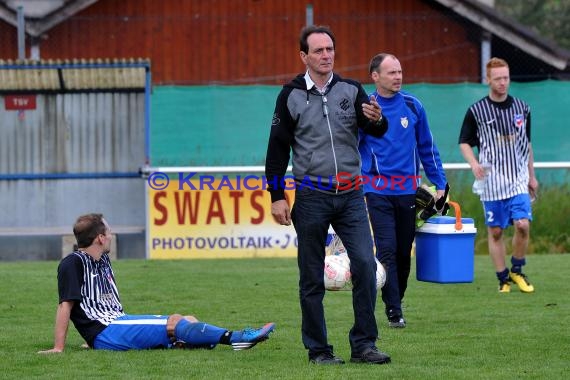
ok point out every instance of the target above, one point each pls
(248, 337)
(504, 287)
(522, 282)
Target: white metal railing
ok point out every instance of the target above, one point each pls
(145, 171)
(50, 231)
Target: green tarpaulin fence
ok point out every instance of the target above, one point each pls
(229, 125)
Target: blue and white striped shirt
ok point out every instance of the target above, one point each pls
(501, 131)
(91, 285)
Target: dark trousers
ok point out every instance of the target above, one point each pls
(312, 214)
(393, 219)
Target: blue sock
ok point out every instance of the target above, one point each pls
(198, 333)
(517, 264)
(503, 276)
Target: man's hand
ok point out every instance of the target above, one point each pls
(439, 194)
(372, 111)
(480, 170)
(533, 188)
(281, 212)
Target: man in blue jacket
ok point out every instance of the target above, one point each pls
(391, 165)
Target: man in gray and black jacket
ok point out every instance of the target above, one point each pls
(317, 117)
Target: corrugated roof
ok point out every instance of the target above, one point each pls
(73, 75)
(524, 38)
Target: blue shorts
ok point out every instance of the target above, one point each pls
(502, 213)
(134, 332)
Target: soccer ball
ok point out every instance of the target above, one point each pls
(337, 268)
(337, 272)
(380, 275)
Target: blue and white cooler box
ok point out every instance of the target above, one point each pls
(445, 250)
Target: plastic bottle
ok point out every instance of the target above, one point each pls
(479, 184)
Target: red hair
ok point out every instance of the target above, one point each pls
(494, 63)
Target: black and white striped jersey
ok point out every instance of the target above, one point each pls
(501, 131)
(91, 285)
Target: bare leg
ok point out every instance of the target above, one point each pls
(521, 238)
(520, 245)
(497, 249)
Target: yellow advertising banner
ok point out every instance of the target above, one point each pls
(214, 218)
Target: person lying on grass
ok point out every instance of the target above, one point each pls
(89, 297)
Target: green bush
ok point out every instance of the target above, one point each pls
(549, 229)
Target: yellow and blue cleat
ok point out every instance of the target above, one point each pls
(522, 282)
(504, 287)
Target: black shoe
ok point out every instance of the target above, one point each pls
(326, 358)
(371, 356)
(397, 322)
(395, 318)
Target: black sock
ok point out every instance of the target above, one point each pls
(503, 276)
(225, 338)
(517, 264)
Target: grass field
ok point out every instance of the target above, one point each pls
(455, 331)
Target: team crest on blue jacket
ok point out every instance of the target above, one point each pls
(519, 120)
(404, 121)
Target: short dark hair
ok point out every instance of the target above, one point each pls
(308, 30)
(377, 61)
(87, 228)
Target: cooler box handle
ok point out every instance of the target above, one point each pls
(457, 209)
